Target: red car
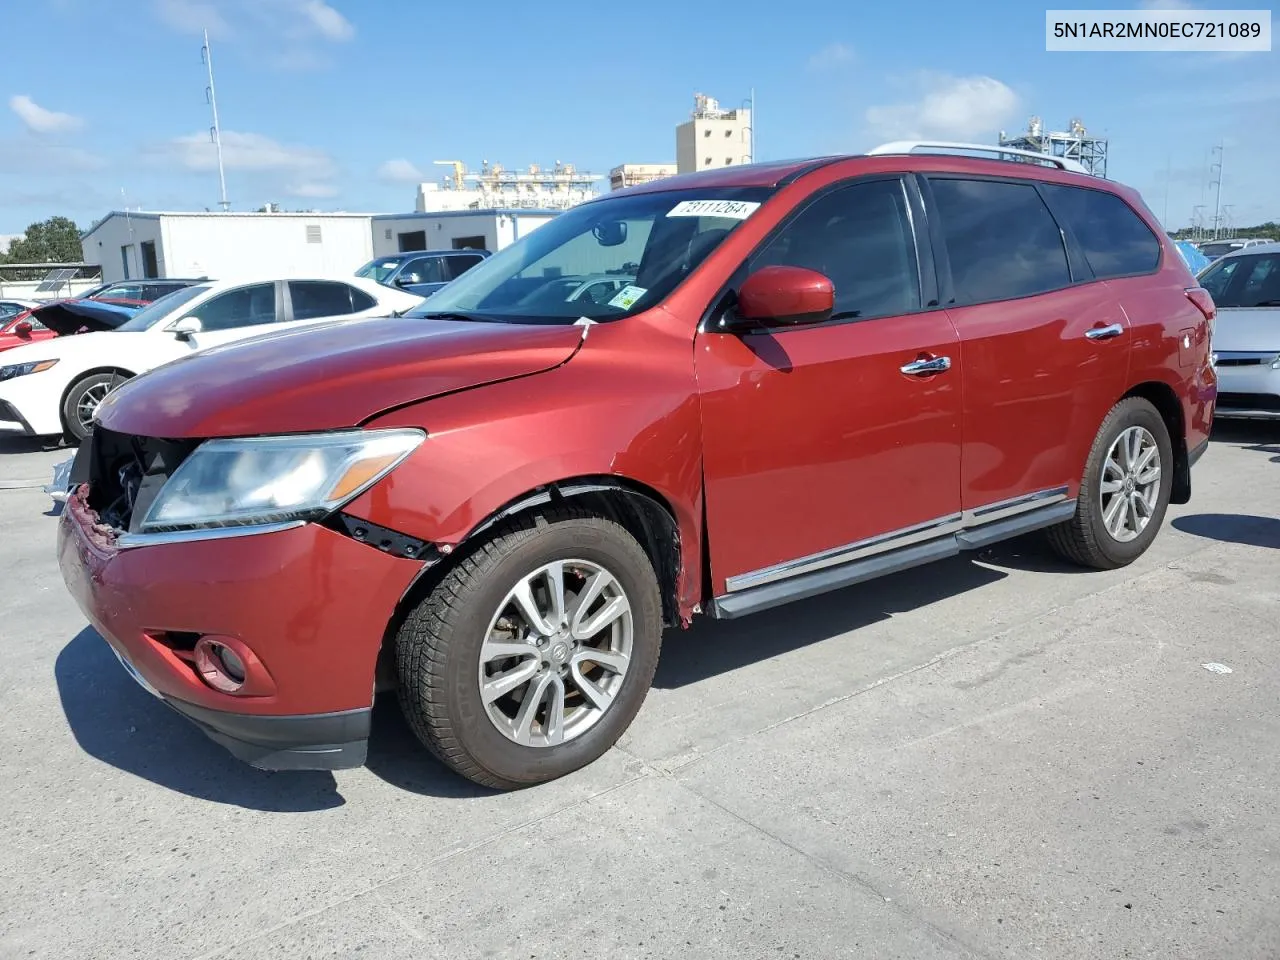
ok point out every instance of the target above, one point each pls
(21, 329)
(813, 374)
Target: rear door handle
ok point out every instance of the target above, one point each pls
(1105, 333)
(923, 367)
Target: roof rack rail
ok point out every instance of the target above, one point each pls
(911, 146)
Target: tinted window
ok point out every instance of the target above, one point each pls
(361, 300)
(1244, 281)
(423, 270)
(457, 266)
(318, 298)
(1115, 240)
(1001, 240)
(242, 307)
(860, 238)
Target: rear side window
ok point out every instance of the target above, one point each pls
(457, 266)
(1001, 240)
(1115, 240)
(860, 238)
(319, 298)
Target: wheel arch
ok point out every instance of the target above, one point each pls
(92, 371)
(641, 510)
(1163, 397)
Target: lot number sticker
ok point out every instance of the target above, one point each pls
(733, 209)
(627, 296)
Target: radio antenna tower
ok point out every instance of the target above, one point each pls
(215, 132)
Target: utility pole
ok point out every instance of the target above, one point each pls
(215, 132)
(1217, 182)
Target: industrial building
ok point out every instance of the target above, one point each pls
(1074, 143)
(496, 188)
(454, 230)
(130, 244)
(713, 137)
(630, 174)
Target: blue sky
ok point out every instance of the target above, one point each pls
(338, 104)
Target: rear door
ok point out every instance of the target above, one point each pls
(1046, 345)
(818, 446)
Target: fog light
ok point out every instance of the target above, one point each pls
(220, 667)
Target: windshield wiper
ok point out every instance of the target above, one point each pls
(1267, 303)
(466, 317)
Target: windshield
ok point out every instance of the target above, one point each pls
(379, 270)
(602, 260)
(158, 310)
(1219, 249)
(1244, 281)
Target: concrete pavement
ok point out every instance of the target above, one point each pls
(997, 756)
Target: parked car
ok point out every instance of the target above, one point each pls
(56, 386)
(1195, 260)
(11, 308)
(65, 317)
(421, 271)
(139, 292)
(20, 329)
(1213, 249)
(1245, 286)
(496, 510)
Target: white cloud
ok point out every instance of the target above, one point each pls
(40, 120)
(245, 151)
(954, 108)
(290, 20)
(400, 171)
(328, 22)
(312, 190)
(832, 55)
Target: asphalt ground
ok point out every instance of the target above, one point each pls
(996, 756)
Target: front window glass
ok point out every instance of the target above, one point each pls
(379, 270)
(160, 310)
(647, 243)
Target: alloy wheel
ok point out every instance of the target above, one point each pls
(556, 653)
(1130, 486)
(88, 404)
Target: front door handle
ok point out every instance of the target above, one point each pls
(1104, 333)
(924, 367)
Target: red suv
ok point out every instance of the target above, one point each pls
(811, 374)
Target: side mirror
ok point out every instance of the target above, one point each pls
(187, 327)
(23, 329)
(783, 297)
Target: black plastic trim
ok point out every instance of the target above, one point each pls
(382, 538)
(1196, 452)
(316, 741)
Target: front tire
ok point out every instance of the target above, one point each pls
(534, 652)
(1125, 490)
(82, 401)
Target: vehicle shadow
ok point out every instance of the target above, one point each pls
(1259, 436)
(399, 758)
(15, 444)
(1232, 528)
(117, 722)
(712, 647)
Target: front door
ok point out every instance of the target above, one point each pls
(814, 438)
(237, 314)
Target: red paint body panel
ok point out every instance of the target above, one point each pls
(814, 438)
(310, 603)
(9, 339)
(329, 377)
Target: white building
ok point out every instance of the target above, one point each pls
(496, 188)
(629, 174)
(713, 137)
(454, 229)
(130, 244)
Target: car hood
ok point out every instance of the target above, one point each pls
(68, 316)
(329, 376)
(1252, 329)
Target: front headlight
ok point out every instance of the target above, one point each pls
(22, 369)
(256, 480)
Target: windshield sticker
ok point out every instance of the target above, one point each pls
(628, 295)
(732, 209)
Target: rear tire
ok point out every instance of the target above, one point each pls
(82, 400)
(1106, 531)
(456, 639)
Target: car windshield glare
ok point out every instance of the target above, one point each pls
(603, 260)
(379, 269)
(158, 310)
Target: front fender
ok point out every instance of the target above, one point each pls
(488, 447)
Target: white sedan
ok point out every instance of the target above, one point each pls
(54, 386)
